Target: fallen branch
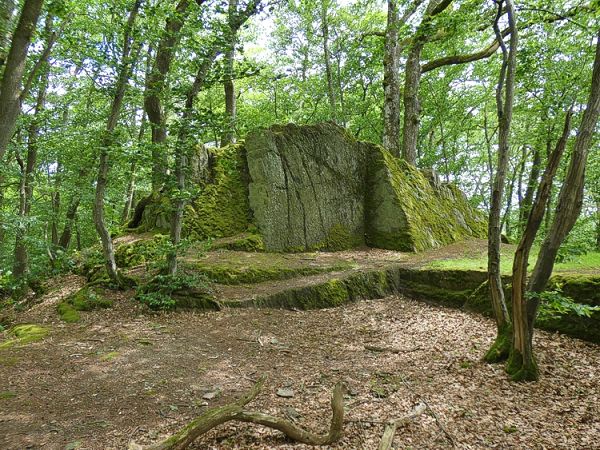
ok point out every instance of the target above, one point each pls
(390, 428)
(235, 411)
(374, 348)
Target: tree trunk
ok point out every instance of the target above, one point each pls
(521, 364)
(10, 87)
(506, 82)
(327, 58)
(154, 90)
(412, 81)
(391, 82)
(228, 84)
(125, 71)
(570, 198)
(530, 190)
(7, 9)
(65, 237)
(21, 254)
(132, 169)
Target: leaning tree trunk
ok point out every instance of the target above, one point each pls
(571, 194)
(10, 87)
(501, 347)
(125, 71)
(7, 9)
(521, 364)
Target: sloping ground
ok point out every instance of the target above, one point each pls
(126, 374)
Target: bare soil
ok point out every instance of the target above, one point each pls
(126, 373)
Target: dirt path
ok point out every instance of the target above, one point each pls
(126, 373)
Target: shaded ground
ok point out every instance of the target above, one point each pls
(127, 373)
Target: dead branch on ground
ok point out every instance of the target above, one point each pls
(390, 428)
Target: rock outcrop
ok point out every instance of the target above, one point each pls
(317, 188)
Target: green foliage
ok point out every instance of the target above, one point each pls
(158, 292)
(553, 304)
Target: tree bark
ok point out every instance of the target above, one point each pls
(7, 9)
(327, 58)
(10, 87)
(530, 190)
(125, 71)
(570, 198)
(506, 82)
(412, 81)
(522, 365)
(21, 254)
(391, 82)
(228, 83)
(132, 175)
(155, 87)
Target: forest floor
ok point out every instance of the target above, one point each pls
(126, 373)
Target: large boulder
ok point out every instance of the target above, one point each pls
(307, 187)
(410, 210)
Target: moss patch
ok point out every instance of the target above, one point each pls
(222, 207)
(408, 212)
(245, 242)
(86, 299)
(24, 334)
(6, 395)
(141, 251)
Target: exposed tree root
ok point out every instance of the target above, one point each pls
(390, 428)
(235, 411)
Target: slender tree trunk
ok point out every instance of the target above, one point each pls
(21, 254)
(56, 206)
(327, 58)
(125, 71)
(521, 364)
(132, 175)
(10, 87)
(570, 198)
(67, 233)
(228, 83)
(391, 82)
(412, 81)
(597, 200)
(155, 88)
(506, 82)
(531, 185)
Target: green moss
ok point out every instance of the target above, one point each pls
(246, 242)
(222, 208)
(86, 299)
(500, 349)
(340, 238)
(520, 370)
(406, 213)
(141, 251)
(24, 334)
(6, 395)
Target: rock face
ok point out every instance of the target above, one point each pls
(317, 188)
(412, 211)
(307, 187)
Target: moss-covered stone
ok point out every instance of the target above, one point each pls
(245, 242)
(407, 212)
(86, 299)
(221, 208)
(307, 185)
(141, 251)
(584, 288)
(24, 334)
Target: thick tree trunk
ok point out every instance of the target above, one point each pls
(125, 71)
(21, 254)
(522, 365)
(154, 90)
(571, 194)
(65, 237)
(10, 87)
(7, 9)
(501, 347)
(412, 81)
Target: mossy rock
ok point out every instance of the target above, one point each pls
(24, 334)
(245, 242)
(86, 299)
(583, 288)
(141, 251)
(407, 212)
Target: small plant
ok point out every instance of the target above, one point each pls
(158, 292)
(553, 305)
